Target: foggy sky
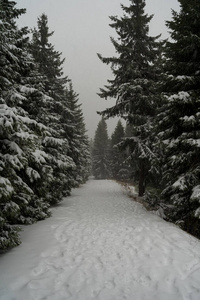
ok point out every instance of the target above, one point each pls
(81, 29)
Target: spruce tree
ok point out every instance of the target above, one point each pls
(19, 134)
(36, 161)
(118, 157)
(100, 153)
(179, 119)
(57, 146)
(78, 140)
(50, 63)
(134, 85)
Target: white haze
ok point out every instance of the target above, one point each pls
(81, 29)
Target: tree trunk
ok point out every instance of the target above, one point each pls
(142, 180)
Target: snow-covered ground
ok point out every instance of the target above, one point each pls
(99, 244)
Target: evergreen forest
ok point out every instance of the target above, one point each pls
(156, 85)
(44, 148)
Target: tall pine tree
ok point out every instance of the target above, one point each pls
(37, 167)
(118, 157)
(135, 73)
(20, 136)
(78, 140)
(57, 145)
(180, 118)
(100, 152)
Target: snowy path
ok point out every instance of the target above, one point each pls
(101, 245)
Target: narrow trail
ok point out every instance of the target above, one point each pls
(99, 244)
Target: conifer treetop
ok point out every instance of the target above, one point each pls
(134, 67)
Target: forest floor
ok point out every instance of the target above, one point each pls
(99, 244)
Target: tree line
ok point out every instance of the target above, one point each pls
(108, 160)
(43, 143)
(44, 149)
(156, 84)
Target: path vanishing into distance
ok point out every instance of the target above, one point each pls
(100, 244)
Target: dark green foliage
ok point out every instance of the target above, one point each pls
(57, 143)
(118, 157)
(179, 120)
(19, 134)
(9, 235)
(100, 153)
(48, 59)
(76, 136)
(36, 165)
(134, 85)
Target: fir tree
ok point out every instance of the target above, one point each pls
(100, 153)
(57, 146)
(49, 60)
(78, 140)
(19, 134)
(36, 161)
(135, 73)
(118, 157)
(179, 119)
